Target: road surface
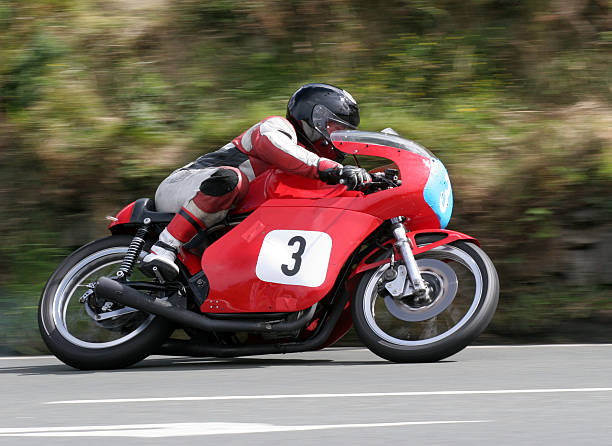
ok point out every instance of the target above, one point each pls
(505, 395)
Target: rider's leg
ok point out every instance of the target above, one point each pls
(217, 194)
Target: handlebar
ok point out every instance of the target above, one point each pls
(380, 180)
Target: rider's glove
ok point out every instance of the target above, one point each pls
(351, 176)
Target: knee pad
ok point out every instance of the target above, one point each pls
(220, 183)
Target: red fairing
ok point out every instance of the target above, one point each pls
(123, 216)
(256, 195)
(294, 208)
(191, 261)
(255, 283)
(282, 185)
(405, 200)
(275, 183)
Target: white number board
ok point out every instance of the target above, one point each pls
(293, 257)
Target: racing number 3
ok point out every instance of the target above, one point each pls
(297, 256)
(294, 257)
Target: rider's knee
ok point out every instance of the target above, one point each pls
(222, 182)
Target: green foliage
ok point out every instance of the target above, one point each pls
(548, 312)
(31, 264)
(27, 72)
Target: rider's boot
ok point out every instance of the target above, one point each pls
(163, 253)
(217, 194)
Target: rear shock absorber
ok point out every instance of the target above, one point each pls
(127, 266)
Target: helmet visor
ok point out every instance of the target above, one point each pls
(325, 122)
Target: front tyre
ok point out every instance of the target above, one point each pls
(67, 316)
(465, 291)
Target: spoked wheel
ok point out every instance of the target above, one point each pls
(462, 298)
(85, 331)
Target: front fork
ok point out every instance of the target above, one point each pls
(403, 246)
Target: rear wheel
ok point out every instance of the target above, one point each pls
(87, 333)
(464, 291)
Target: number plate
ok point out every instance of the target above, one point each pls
(294, 257)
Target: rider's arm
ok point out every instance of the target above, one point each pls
(274, 141)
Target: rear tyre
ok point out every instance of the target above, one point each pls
(465, 290)
(68, 326)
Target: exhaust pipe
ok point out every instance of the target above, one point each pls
(175, 347)
(118, 292)
(339, 302)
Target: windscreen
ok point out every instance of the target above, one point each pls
(327, 122)
(382, 139)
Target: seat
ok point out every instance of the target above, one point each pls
(145, 208)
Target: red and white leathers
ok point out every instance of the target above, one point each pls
(273, 143)
(202, 192)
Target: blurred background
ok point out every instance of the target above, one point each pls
(100, 100)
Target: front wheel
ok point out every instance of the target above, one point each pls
(87, 333)
(464, 290)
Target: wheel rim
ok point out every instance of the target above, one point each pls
(71, 317)
(440, 319)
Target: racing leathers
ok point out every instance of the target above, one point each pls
(202, 192)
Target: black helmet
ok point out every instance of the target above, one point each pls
(316, 110)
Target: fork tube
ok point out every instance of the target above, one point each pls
(403, 246)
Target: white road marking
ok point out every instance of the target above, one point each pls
(331, 395)
(195, 429)
(11, 358)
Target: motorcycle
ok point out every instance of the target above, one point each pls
(291, 269)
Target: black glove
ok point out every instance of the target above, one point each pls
(351, 176)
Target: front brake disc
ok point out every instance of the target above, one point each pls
(442, 284)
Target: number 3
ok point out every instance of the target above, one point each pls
(297, 256)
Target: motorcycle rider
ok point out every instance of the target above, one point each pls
(202, 192)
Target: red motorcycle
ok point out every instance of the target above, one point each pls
(290, 270)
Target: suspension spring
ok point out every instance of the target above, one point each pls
(125, 270)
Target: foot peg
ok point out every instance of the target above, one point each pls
(159, 267)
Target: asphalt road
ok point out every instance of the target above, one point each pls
(536, 395)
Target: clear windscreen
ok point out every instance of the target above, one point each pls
(327, 122)
(381, 139)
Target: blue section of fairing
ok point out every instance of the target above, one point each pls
(438, 193)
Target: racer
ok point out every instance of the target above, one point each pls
(202, 192)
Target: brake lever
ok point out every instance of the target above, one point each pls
(381, 180)
(378, 179)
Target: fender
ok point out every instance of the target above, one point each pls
(135, 213)
(446, 237)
